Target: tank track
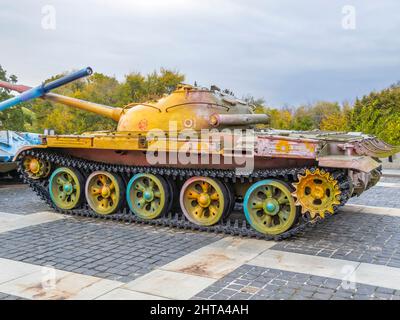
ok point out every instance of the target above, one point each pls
(228, 225)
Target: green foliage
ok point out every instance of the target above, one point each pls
(379, 114)
(280, 119)
(16, 118)
(139, 88)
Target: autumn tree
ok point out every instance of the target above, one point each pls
(339, 120)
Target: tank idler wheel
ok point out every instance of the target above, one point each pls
(149, 196)
(66, 188)
(204, 201)
(105, 192)
(36, 168)
(269, 207)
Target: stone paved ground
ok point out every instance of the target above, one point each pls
(102, 249)
(379, 197)
(4, 296)
(257, 283)
(390, 179)
(19, 199)
(121, 253)
(357, 237)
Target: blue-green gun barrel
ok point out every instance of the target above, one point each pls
(41, 90)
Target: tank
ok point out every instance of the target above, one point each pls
(197, 158)
(10, 143)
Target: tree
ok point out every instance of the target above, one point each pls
(139, 88)
(338, 120)
(303, 119)
(280, 118)
(323, 109)
(17, 118)
(379, 114)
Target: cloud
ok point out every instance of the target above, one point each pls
(285, 51)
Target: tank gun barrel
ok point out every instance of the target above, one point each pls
(43, 91)
(217, 120)
(101, 109)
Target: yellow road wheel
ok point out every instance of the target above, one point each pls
(36, 168)
(66, 188)
(204, 200)
(269, 207)
(317, 193)
(104, 192)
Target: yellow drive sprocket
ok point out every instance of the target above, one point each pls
(317, 192)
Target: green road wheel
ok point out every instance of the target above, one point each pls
(66, 188)
(104, 192)
(204, 200)
(269, 207)
(148, 195)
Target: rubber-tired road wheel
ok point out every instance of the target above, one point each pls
(104, 192)
(269, 207)
(66, 188)
(204, 201)
(148, 195)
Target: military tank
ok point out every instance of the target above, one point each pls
(196, 158)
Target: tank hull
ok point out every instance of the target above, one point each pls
(219, 150)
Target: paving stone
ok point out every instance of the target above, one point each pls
(321, 296)
(83, 245)
(326, 289)
(278, 282)
(66, 285)
(241, 296)
(379, 234)
(228, 292)
(172, 285)
(124, 294)
(385, 290)
(379, 197)
(217, 297)
(21, 200)
(235, 286)
(4, 296)
(382, 296)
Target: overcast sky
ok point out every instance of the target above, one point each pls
(286, 51)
